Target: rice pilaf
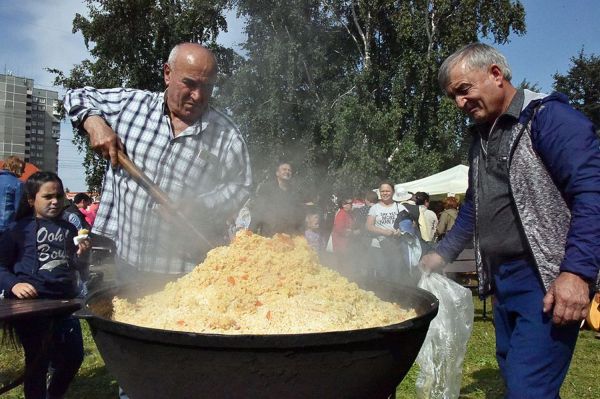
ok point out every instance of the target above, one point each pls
(259, 285)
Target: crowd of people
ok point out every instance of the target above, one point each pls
(378, 233)
(532, 212)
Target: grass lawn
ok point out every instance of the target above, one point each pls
(481, 378)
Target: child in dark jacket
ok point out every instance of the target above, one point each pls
(38, 259)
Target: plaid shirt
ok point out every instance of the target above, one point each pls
(205, 170)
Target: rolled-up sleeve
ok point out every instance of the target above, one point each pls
(86, 101)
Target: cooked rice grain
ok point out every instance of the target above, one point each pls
(261, 285)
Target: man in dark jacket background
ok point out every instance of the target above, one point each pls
(278, 208)
(533, 210)
(73, 214)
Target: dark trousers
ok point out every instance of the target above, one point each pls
(533, 354)
(56, 342)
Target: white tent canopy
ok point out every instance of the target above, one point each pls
(450, 181)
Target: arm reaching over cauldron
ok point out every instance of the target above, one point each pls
(454, 241)
(94, 112)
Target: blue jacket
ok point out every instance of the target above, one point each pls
(554, 174)
(40, 252)
(11, 189)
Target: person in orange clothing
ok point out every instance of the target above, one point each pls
(343, 227)
(343, 231)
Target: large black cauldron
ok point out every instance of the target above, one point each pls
(368, 363)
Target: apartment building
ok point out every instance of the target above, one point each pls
(29, 124)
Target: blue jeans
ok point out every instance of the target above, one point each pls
(57, 341)
(533, 354)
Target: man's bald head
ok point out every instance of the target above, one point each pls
(190, 74)
(192, 53)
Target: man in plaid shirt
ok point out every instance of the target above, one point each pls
(192, 151)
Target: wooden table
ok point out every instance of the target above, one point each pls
(11, 309)
(464, 263)
(22, 309)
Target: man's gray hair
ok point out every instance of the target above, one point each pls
(475, 56)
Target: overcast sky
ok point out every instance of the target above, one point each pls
(36, 34)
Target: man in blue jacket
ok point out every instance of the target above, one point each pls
(533, 212)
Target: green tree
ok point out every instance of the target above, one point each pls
(345, 89)
(296, 66)
(525, 84)
(582, 85)
(129, 41)
(353, 83)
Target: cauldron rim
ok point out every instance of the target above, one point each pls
(258, 341)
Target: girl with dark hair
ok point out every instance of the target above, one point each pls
(39, 259)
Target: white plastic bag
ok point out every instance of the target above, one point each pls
(442, 354)
(329, 247)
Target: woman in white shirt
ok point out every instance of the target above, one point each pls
(380, 223)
